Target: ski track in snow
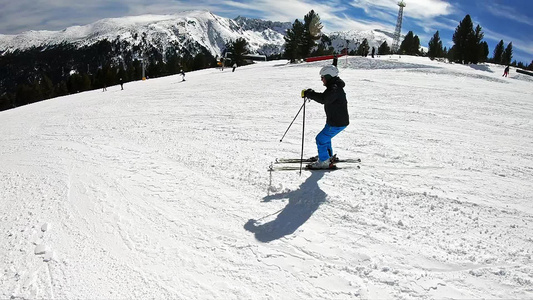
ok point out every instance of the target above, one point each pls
(162, 190)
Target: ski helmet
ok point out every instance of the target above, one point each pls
(330, 70)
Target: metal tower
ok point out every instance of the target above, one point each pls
(397, 32)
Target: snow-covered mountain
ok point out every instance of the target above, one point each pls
(196, 28)
(354, 37)
(191, 27)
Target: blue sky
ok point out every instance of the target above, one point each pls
(507, 20)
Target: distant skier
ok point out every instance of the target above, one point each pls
(337, 118)
(506, 71)
(182, 73)
(234, 66)
(105, 89)
(121, 84)
(373, 51)
(335, 60)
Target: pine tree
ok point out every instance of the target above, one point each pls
(47, 88)
(435, 46)
(86, 82)
(363, 48)
(415, 46)
(484, 52)
(498, 53)
(312, 32)
(507, 54)
(384, 49)
(451, 54)
(293, 40)
(410, 45)
(173, 65)
(74, 83)
(238, 48)
(464, 34)
(468, 47)
(302, 37)
(407, 41)
(36, 92)
(5, 102)
(61, 88)
(24, 95)
(474, 46)
(199, 62)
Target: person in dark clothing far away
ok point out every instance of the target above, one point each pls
(373, 51)
(337, 118)
(506, 71)
(335, 60)
(121, 84)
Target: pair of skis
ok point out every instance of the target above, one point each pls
(289, 164)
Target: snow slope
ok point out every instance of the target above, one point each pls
(162, 190)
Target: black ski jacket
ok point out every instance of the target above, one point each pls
(334, 100)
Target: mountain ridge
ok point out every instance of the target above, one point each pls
(203, 27)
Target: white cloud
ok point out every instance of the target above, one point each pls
(417, 9)
(509, 12)
(58, 14)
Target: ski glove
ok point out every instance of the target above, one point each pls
(305, 92)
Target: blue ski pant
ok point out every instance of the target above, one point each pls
(323, 141)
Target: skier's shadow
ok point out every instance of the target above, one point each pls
(302, 204)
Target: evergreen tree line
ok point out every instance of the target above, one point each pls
(41, 73)
(469, 47)
(305, 39)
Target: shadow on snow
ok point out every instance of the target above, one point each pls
(303, 202)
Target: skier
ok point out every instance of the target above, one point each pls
(182, 73)
(506, 71)
(373, 51)
(337, 119)
(335, 60)
(121, 84)
(234, 66)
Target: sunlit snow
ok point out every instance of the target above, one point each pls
(162, 190)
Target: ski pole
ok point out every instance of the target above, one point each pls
(292, 122)
(303, 134)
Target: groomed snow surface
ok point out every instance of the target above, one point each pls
(162, 190)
